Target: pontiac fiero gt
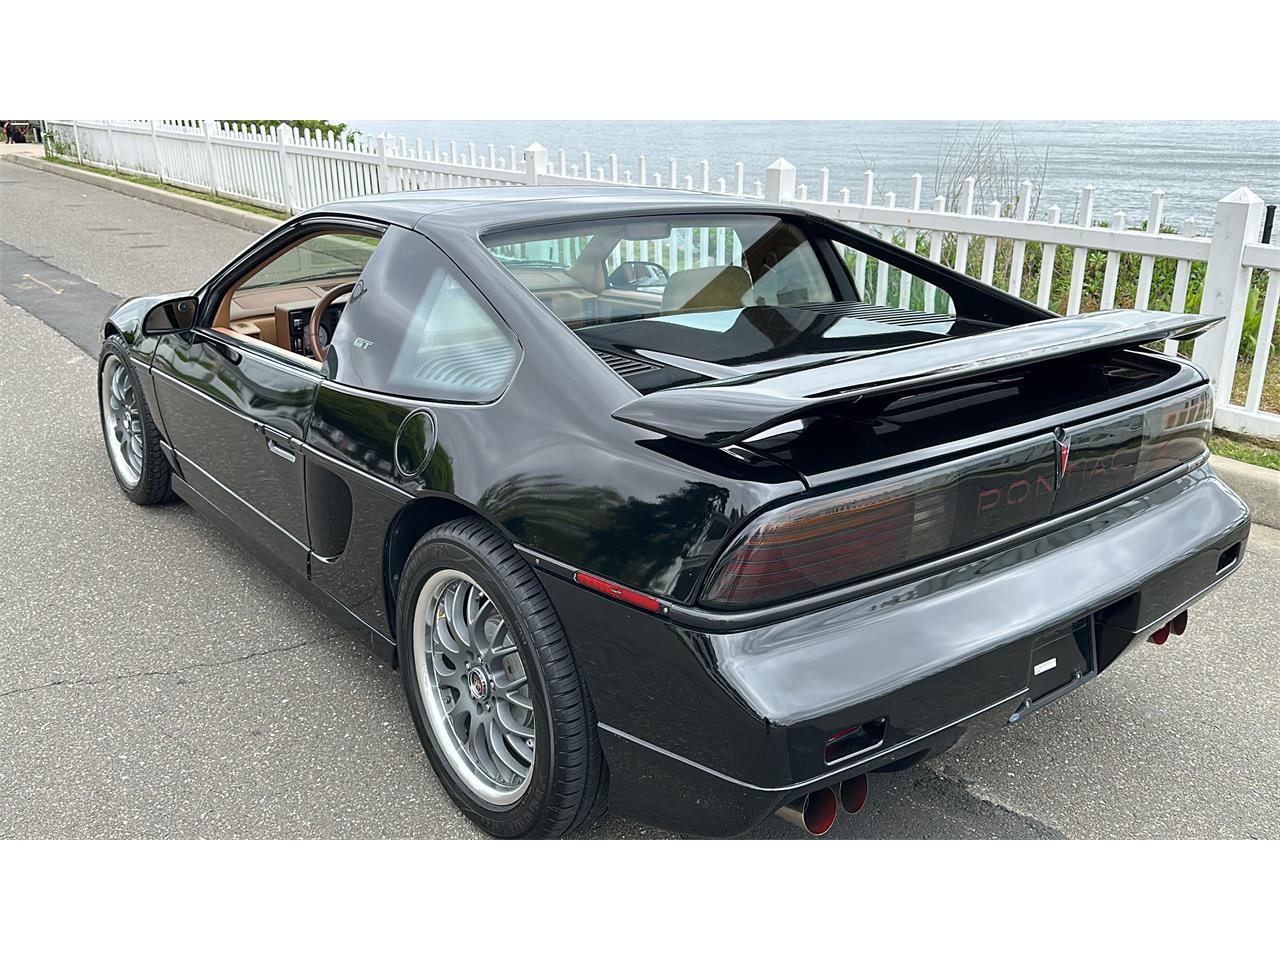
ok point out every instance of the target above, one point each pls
(659, 504)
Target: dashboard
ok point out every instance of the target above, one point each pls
(279, 316)
(299, 322)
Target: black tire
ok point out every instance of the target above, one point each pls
(153, 484)
(568, 781)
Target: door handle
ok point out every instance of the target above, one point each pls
(280, 451)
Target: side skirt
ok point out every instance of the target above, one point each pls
(383, 647)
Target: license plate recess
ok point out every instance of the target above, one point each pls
(1058, 665)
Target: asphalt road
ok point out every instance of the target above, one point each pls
(157, 681)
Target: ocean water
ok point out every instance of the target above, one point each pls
(1195, 163)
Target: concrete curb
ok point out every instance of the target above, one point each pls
(1257, 486)
(253, 222)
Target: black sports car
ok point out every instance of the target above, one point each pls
(661, 506)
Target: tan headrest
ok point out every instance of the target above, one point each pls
(705, 288)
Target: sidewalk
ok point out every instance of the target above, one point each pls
(233, 216)
(21, 150)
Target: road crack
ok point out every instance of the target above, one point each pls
(984, 801)
(185, 668)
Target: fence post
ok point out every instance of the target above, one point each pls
(384, 165)
(75, 135)
(1021, 212)
(211, 161)
(1080, 255)
(111, 144)
(155, 148)
(535, 162)
(284, 136)
(1142, 296)
(961, 262)
(1226, 286)
(780, 181)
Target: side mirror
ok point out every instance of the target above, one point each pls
(170, 316)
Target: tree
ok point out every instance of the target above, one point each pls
(318, 128)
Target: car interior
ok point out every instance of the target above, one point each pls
(610, 275)
(669, 302)
(660, 301)
(274, 305)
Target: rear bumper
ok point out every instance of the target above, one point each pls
(710, 732)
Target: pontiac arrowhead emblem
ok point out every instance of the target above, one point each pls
(1063, 443)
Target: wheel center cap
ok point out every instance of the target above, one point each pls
(479, 684)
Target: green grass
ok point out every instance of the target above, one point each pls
(1270, 385)
(1262, 453)
(170, 188)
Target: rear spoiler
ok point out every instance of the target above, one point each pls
(723, 412)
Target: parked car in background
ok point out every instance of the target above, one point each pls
(655, 508)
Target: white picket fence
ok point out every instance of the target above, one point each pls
(280, 170)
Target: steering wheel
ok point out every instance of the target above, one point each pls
(318, 350)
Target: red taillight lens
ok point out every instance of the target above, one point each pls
(1177, 432)
(831, 540)
(618, 592)
(800, 550)
(1112, 454)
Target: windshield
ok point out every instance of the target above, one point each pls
(640, 268)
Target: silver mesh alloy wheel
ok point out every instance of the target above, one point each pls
(122, 417)
(474, 687)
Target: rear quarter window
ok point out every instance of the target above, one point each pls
(421, 329)
(454, 347)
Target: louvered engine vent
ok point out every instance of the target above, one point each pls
(871, 311)
(624, 366)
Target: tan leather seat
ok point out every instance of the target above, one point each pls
(705, 288)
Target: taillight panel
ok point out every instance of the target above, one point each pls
(1110, 455)
(827, 541)
(820, 543)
